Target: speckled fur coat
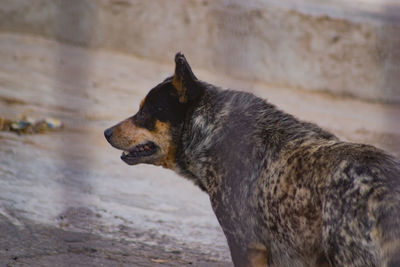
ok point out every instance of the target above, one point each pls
(285, 192)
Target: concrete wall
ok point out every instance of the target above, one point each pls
(315, 45)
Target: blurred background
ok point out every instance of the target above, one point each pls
(71, 68)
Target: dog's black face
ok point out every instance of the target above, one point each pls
(147, 136)
(161, 103)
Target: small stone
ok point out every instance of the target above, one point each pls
(53, 123)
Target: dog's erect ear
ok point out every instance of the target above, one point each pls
(184, 80)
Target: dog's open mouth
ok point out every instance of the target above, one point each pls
(142, 150)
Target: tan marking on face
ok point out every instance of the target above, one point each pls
(142, 102)
(164, 140)
(127, 135)
(178, 84)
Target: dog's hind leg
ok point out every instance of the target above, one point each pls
(387, 231)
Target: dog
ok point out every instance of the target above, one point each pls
(285, 191)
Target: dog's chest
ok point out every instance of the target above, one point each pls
(235, 207)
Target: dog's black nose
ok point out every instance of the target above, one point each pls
(108, 133)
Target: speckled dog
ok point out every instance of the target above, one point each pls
(285, 192)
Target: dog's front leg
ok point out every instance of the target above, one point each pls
(256, 255)
(247, 254)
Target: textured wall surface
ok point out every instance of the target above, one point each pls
(329, 46)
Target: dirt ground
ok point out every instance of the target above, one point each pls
(40, 245)
(67, 198)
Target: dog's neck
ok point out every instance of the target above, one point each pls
(215, 134)
(234, 132)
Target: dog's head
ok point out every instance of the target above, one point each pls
(150, 135)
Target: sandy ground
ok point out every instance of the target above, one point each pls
(66, 197)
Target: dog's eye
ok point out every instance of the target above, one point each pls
(141, 116)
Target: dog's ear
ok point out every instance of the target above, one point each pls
(184, 80)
